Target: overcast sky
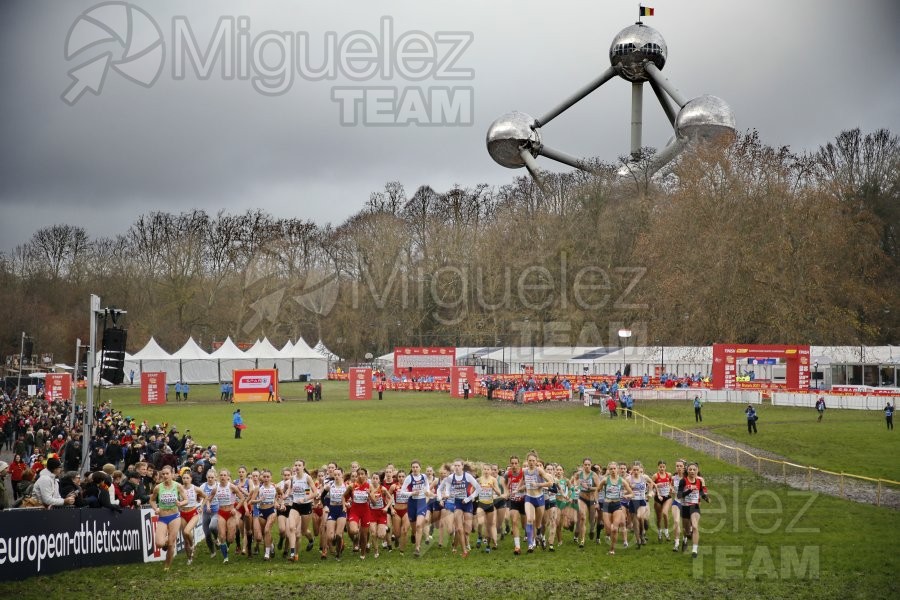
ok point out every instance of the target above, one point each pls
(798, 71)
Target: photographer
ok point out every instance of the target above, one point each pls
(70, 485)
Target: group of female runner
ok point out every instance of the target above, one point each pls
(382, 510)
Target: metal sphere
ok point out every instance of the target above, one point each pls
(706, 118)
(508, 134)
(635, 45)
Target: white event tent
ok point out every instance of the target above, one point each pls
(192, 364)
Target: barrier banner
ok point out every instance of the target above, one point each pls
(458, 376)
(43, 542)
(535, 396)
(360, 383)
(338, 377)
(153, 388)
(863, 390)
(417, 386)
(252, 385)
(58, 386)
(149, 551)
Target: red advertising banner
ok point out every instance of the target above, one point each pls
(460, 375)
(536, 396)
(255, 385)
(58, 386)
(360, 383)
(422, 362)
(338, 377)
(729, 360)
(862, 390)
(153, 388)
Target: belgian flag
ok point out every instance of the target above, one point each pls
(646, 11)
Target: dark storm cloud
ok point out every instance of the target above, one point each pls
(799, 72)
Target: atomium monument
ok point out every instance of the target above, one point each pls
(637, 54)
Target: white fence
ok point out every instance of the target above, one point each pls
(832, 401)
(687, 394)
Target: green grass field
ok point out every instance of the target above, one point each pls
(758, 539)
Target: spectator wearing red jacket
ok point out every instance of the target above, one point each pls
(16, 468)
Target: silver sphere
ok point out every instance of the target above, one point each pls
(508, 134)
(635, 45)
(706, 118)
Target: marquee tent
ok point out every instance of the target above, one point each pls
(194, 364)
(149, 359)
(229, 357)
(308, 361)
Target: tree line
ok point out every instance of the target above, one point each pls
(741, 242)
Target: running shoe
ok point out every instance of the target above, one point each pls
(478, 543)
(309, 546)
(659, 536)
(693, 555)
(626, 543)
(517, 551)
(551, 548)
(212, 554)
(530, 548)
(417, 553)
(487, 549)
(225, 562)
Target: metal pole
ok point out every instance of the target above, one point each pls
(662, 357)
(637, 110)
(664, 102)
(656, 75)
(21, 354)
(533, 168)
(89, 408)
(75, 390)
(565, 159)
(608, 74)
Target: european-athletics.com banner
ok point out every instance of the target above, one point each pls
(44, 542)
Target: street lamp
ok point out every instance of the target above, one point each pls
(662, 358)
(624, 334)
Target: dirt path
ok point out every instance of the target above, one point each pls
(857, 490)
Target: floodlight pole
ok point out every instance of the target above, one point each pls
(75, 381)
(89, 406)
(21, 364)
